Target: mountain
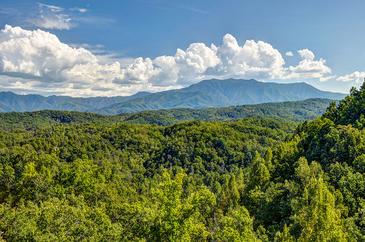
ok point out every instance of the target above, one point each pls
(290, 111)
(293, 111)
(208, 93)
(11, 102)
(222, 93)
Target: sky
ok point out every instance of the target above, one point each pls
(109, 48)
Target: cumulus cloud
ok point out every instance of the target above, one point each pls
(185, 67)
(306, 54)
(140, 71)
(168, 71)
(309, 67)
(38, 53)
(37, 60)
(194, 61)
(251, 60)
(45, 61)
(199, 61)
(356, 77)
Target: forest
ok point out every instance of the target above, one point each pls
(292, 111)
(257, 178)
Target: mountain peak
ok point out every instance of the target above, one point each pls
(207, 93)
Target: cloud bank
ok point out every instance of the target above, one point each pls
(37, 61)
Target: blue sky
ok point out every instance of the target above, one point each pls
(121, 31)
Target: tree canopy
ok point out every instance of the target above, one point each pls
(254, 179)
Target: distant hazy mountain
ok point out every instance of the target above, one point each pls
(11, 102)
(222, 93)
(208, 93)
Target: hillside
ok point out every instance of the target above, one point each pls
(292, 111)
(255, 179)
(11, 102)
(209, 93)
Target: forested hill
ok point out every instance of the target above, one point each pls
(291, 111)
(253, 179)
(208, 93)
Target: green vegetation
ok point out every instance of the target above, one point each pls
(47, 118)
(293, 111)
(94, 178)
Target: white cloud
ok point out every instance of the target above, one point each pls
(252, 60)
(52, 17)
(309, 67)
(39, 55)
(194, 62)
(51, 8)
(356, 77)
(306, 54)
(168, 71)
(140, 71)
(289, 53)
(38, 61)
(80, 10)
(185, 67)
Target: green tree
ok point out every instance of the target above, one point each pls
(236, 225)
(315, 211)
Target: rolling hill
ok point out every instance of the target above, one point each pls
(290, 111)
(293, 111)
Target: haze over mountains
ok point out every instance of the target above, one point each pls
(208, 93)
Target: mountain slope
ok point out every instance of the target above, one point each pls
(222, 93)
(11, 102)
(290, 111)
(293, 111)
(208, 93)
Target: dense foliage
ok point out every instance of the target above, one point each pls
(293, 111)
(255, 179)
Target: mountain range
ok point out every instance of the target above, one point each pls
(289, 111)
(205, 94)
